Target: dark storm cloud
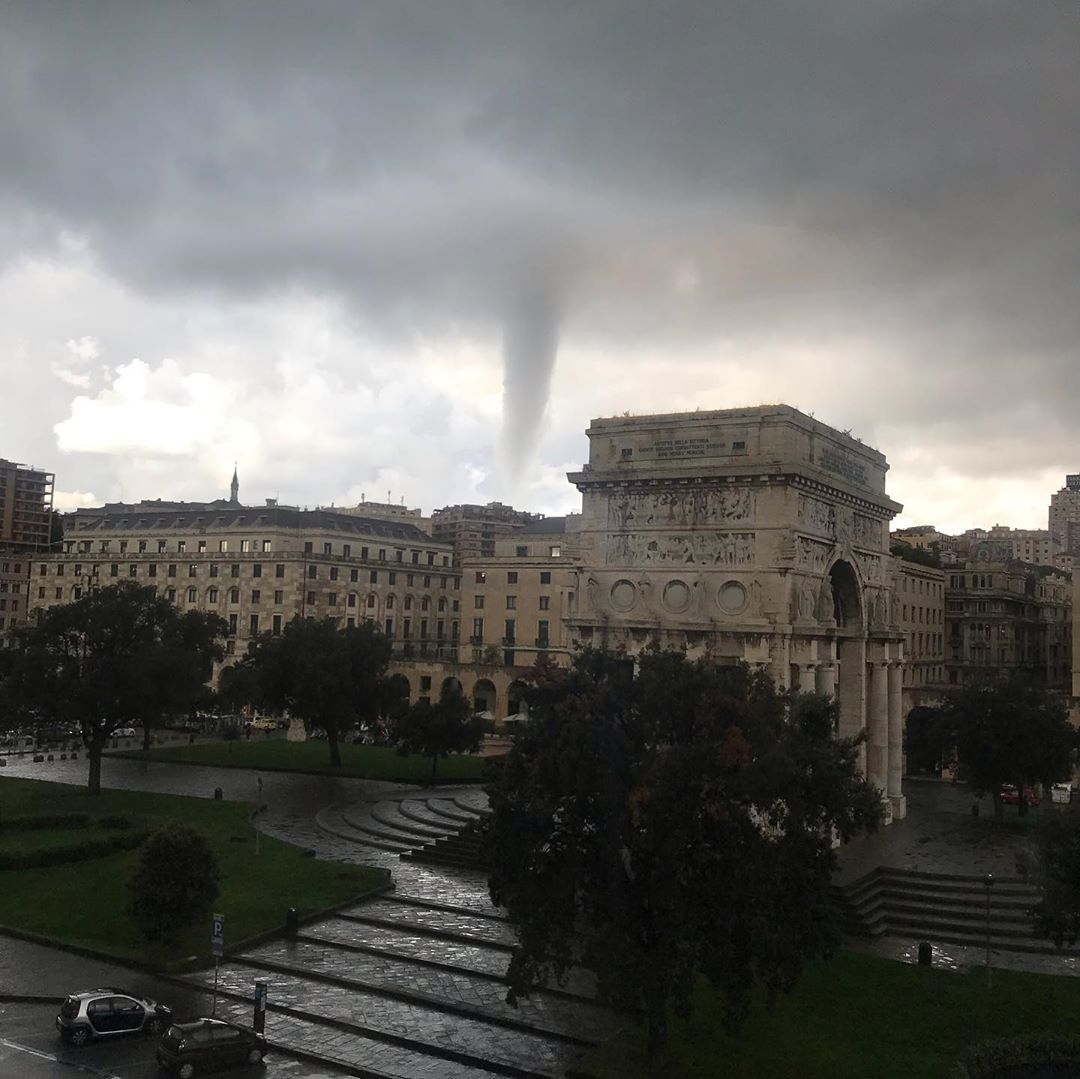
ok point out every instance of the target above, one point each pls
(903, 172)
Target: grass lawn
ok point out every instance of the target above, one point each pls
(854, 1017)
(83, 903)
(361, 762)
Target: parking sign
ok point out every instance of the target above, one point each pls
(217, 935)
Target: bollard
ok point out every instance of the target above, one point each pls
(39, 758)
(50, 757)
(926, 953)
(74, 756)
(259, 1025)
(191, 740)
(292, 922)
(63, 756)
(3, 762)
(217, 794)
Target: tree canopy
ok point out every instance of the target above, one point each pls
(328, 676)
(117, 657)
(434, 730)
(661, 818)
(1011, 731)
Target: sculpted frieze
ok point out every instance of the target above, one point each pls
(726, 549)
(816, 515)
(811, 554)
(866, 531)
(682, 508)
(869, 567)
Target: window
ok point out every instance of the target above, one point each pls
(477, 631)
(192, 569)
(161, 546)
(408, 603)
(425, 603)
(170, 595)
(393, 577)
(510, 626)
(181, 546)
(399, 556)
(545, 576)
(431, 558)
(234, 569)
(542, 630)
(245, 546)
(555, 551)
(333, 573)
(346, 550)
(151, 570)
(478, 602)
(373, 577)
(114, 570)
(351, 602)
(142, 546)
(481, 577)
(409, 577)
(738, 445)
(382, 554)
(354, 575)
(41, 592)
(172, 569)
(423, 629)
(214, 569)
(234, 595)
(328, 548)
(59, 593)
(371, 602)
(202, 546)
(415, 555)
(312, 572)
(232, 624)
(627, 451)
(192, 595)
(545, 603)
(522, 552)
(427, 580)
(311, 599)
(363, 552)
(307, 547)
(276, 625)
(511, 603)
(279, 597)
(511, 577)
(256, 569)
(212, 595)
(406, 630)
(388, 627)
(279, 571)
(256, 595)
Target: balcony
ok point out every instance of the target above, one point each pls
(508, 642)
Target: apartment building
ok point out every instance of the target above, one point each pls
(25, 527)
(473, 530)
(258, 567)
(920, 609)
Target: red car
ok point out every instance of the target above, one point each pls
(1011, 798)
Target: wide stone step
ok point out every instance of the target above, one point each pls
(459, 925)
(958, 914)
(420, 813)
(389, 816)
(353, 1053)
(333, 822)
(454, 991)
(937, 884)
(424, 1029)
(446, 807)
(959, 900)
(943, 928)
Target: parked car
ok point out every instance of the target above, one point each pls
(264, 723)
(1061, 792)
(105, 1013)
(1011, 798)
(124, 732)
(207, 1045)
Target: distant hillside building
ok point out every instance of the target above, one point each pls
(473, 530)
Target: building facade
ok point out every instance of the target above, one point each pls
(921, 599)
(259, 567)
(757, 535)
(25, 529)
(1064, 518)
(472, 530)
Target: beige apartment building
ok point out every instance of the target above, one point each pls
(1008, 617)
(25, 528)
(1064, 517)
(259, 567)
(921, 599)
(473, 530)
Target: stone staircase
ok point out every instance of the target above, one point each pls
(461, 851)
(942, 909)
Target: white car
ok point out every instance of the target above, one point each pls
(124, 732)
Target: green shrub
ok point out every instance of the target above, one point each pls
(33, 824)
(174, 884)
(119, 824)
(986, 1058)
(80, 852)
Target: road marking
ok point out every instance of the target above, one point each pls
(56, 1060)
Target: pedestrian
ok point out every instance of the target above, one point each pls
(260, 786)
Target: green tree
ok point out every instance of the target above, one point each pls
(1053, 866)
(668, 821)
(929, 739)
(327, 676)
(434, 730)
(174, 884)
(109, 660)
(1011, 731)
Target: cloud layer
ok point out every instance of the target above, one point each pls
(421, 245)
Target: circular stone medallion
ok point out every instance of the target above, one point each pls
(732, 597)
(623, 595)
(676, 596)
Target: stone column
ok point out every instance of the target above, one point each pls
(896, 742)
(877, 756)
(825, 679)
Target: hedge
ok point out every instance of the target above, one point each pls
(97, 848)
(985, 1058)
(32, 824)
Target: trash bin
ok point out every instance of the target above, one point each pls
(217, 794)
(926, 953)
(292, 922)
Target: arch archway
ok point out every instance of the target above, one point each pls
(452, 685)
(847, 601)
(484, 696)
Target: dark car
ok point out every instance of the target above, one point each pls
(105, 1013)
(205, 1045)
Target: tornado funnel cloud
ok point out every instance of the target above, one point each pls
(530, 343)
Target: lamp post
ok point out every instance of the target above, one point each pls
(988, 883)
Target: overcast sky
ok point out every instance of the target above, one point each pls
(360, 247)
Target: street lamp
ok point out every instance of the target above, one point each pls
(988, 883)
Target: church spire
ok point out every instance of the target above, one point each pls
(234, 487)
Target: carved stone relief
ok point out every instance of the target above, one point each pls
(727, 549)
(866, 531)
(684, 508)
(817, 515)
(826, 604)
(811, 554)
(869, 567)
